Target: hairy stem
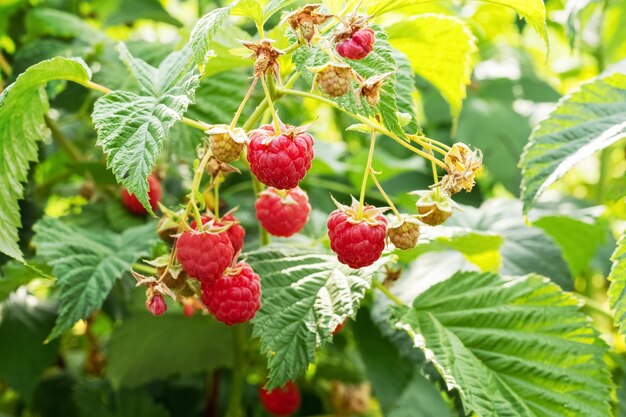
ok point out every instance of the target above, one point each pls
(234, 407)
(384, 194)
(268, 96)
(388, 294)
(376, 126)
(243, 102)
(146, 269)
(69, 148)
(366, 173)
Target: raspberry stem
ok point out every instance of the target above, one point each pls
(243, 103)
(384, 194)
(376, 126)
(387, 293)
(366, 174)
(270, 103)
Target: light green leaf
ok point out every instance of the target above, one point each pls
(439, 48)
(204, 31)
(24, 324)
(512, 347)
(274, 6)
(380, 61)
(421, 399)
(306, 294)
(617, 291)
(579, 240)
(87, 262)
(132, 128)
(140, 9)
(584, 122)
(147, 348)
(534, 11)
(479, 247)
(22, 108)
(252, 9)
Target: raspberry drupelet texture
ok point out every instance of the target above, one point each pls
(236, 233)
(280, 161)
(281, 401)
(154, 195)
(235, 297)
(358, 46)
(405, 235)
(204, 255)
(283, 212)
(357, 243)
(334, 79)
(225, 148)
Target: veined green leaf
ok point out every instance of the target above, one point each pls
(41, 21)
(380, 61)
(87, 262)
(512, 347)
(204, 31)
(132, 128)
(22, 108)
(617, 291)
(584, 122)
(439, 48)
(274, 6)
(307, 293)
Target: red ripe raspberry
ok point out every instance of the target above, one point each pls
(204, 255)
(156, 305)
(283, 212)
(281, 401)
(154, 195)
(236, 233)
(358, 240)
(280, 161)
(235, 297)
(358, 46)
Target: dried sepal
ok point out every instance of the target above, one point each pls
(369, 89)
(265, 57)
(462, 165)
(368, 214)
(305, 20)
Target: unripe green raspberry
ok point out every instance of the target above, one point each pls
(404, 234)
(435, 206)
(224, 148)
(227, 143)
(334, 79)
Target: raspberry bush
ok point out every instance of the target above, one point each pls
(345, 208)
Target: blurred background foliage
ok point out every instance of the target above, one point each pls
(121, 362)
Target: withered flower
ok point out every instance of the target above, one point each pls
(305, 20)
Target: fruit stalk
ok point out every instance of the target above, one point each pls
(366, 173)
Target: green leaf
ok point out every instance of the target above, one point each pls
(579, 240)
(274, 6)
(96, 398)
(480, 248)
(15, 274)
(249, 8)
(204, 31)
(406, 90)
(584, 122)
(146, 348)
(421, 399)
(50, 22)
(129, 13)
(423, 38)
(133, 128)
(525, 249)
(22, 108)
(87, 262)
(306, 294)
(380, 61)
(512, 347)
(617, 291)
(24, 324)
(534, 11)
